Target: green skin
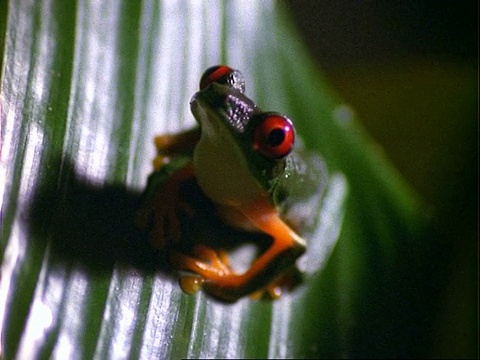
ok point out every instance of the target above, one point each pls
(233, 175)
(231, 172)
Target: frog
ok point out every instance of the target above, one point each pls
(247, 169)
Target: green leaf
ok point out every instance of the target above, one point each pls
(85, 86)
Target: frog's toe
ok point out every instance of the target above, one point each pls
(217, 259)
(191, 284)
(204, 263)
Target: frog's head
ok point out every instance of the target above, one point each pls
(242, 150)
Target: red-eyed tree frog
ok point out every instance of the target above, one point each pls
(243, 162)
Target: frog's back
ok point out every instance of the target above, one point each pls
(299, 193)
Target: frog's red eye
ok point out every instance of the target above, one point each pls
(224, 75)
(274, 136)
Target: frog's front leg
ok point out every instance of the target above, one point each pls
(221, 281)
(161, 214)
(169, 145)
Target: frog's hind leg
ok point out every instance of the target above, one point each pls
(264, 273)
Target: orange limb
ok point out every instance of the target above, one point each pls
(163, 210)
(179, 143)
(221, 281)
(169, 145)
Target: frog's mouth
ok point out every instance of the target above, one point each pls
(206, 117)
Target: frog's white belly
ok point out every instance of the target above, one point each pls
(223, 174)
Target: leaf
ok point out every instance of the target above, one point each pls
(85, 86)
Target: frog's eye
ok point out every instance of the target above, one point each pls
(224, 75)
(274, 136)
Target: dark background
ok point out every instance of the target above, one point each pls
(410, 69)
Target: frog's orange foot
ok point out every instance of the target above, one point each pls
(209, 267)
(206, 262)
(217, 259)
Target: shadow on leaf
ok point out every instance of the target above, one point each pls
(90, 224)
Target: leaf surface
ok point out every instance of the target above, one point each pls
(85, 86)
